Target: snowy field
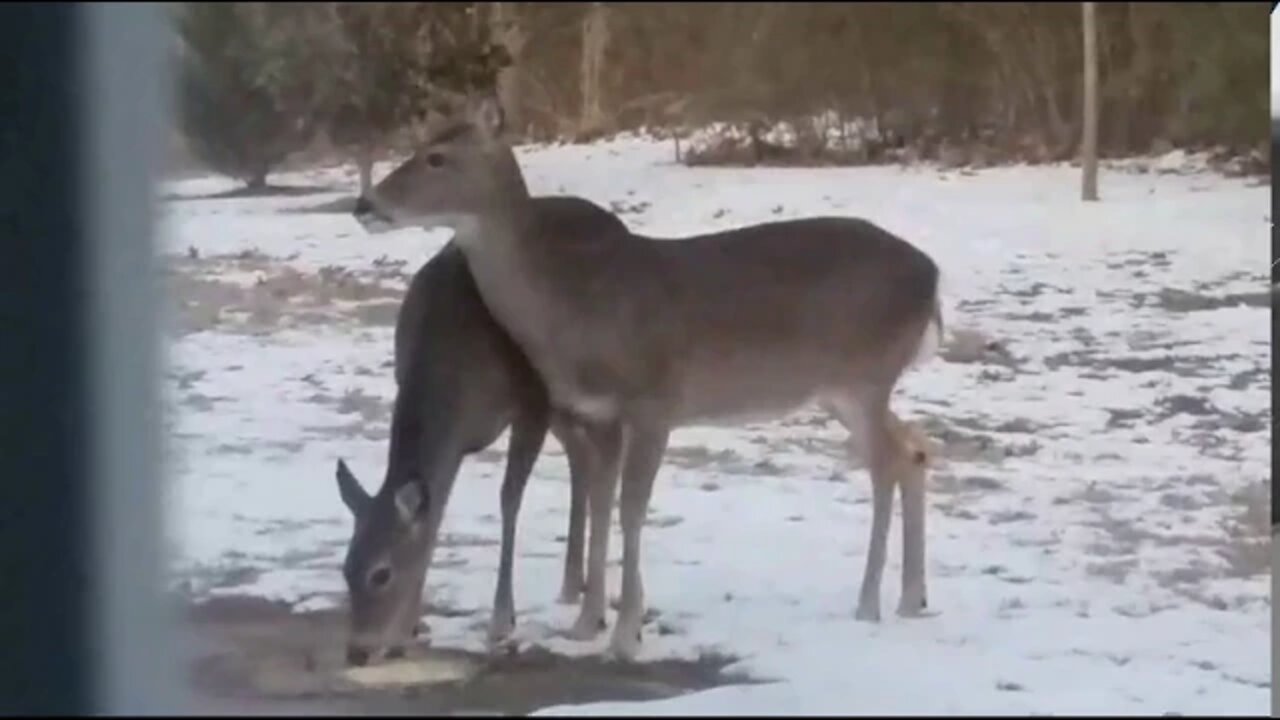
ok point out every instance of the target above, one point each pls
(1097, 530)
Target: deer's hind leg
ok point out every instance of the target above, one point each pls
(915, 455)
(646, 445)
(602, 478)
(896, 456)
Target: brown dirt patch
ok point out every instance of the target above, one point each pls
(254, 655)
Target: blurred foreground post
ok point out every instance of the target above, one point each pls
(83, 624)
(123, 119)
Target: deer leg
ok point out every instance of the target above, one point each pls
(645, 448)
(579, 454)
(913, 454)
(602, 483)
(871, 440)
(882, 511)
(527, 436)
(911, 480)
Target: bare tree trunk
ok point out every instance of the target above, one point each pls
(505, 26)
(476, 12)
(1089, 142)
(364, 164)
(256, 178)
(1142, 63)
(595, 43)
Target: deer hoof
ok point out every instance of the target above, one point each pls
(914, 601)
(866, 613)
(918, 609)
(624, 648)
(500, 629)
(502, 645)
(586, 629)
(570, 595)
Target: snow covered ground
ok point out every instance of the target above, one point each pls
(1096, 541)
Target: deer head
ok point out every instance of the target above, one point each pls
(462, 172)
(385, 565)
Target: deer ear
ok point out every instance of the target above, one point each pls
(486, 114)
(409, 500)
(353, 495)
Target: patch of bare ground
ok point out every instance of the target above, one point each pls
(256, 655)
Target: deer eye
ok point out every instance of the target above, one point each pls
(435, 159)
(380, 577)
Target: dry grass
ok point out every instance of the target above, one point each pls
(1248, 532)
(282, 295)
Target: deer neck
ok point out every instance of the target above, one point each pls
(506, 253)
(497, 229)
(498, 246)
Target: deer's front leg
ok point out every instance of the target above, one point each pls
(527, 437)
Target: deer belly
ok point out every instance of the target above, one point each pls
(736, 398)
(598, 408)
(572, 397)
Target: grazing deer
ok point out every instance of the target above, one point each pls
(655, 334)
(461, 383)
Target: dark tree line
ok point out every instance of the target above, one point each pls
(258, 82)
(977, 82)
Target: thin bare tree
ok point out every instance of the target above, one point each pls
(1089, 143)
(595, 43)
(506, 27)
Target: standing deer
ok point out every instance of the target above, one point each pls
(655, 334)
(461, 383)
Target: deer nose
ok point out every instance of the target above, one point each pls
(363, 207)
(357, 656)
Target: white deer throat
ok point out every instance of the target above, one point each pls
(496, 265)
